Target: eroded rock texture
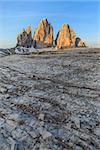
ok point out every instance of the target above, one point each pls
(50, 102)
(66, 37)
(79, 42)
(43, 35)
(73, 38)
(25, 38)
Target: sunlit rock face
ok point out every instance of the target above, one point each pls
(43, 35)
(73, 38)
(65, 37)
(25, 38)
(79, 42)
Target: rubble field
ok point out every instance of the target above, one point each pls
(50, 101)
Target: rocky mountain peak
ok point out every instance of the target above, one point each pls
(43, 34)
(43, 37)
(28, 30)
(25, 38)
(63, 39)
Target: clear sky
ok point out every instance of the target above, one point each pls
(82, 15)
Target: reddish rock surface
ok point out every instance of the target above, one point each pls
(43, 37)
(43, 34)
(65, 37)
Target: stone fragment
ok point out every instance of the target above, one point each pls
(46, 134)
(17, 146)
(41, 117)
(76, 121)
(97, 131)
(3, 90)
(79, 42)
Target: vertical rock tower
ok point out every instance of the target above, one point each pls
(66, 37)
(25, 38)
(43, 35)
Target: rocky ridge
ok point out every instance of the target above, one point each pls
(43, 37)
(25, 38)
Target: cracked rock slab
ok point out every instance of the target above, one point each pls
(50, 101)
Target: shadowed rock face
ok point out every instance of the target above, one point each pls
(43, 37)
(73, 37)
(65, 37)
(25, 38)
(79, 42)
(43, 34)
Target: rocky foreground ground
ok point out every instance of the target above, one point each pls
(50, 101)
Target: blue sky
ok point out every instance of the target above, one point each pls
(82, 15)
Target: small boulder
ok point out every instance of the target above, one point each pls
(97, 131)
(46, 135)
(79, 42)
(41, 117)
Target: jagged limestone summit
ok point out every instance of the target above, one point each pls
(43, 37)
